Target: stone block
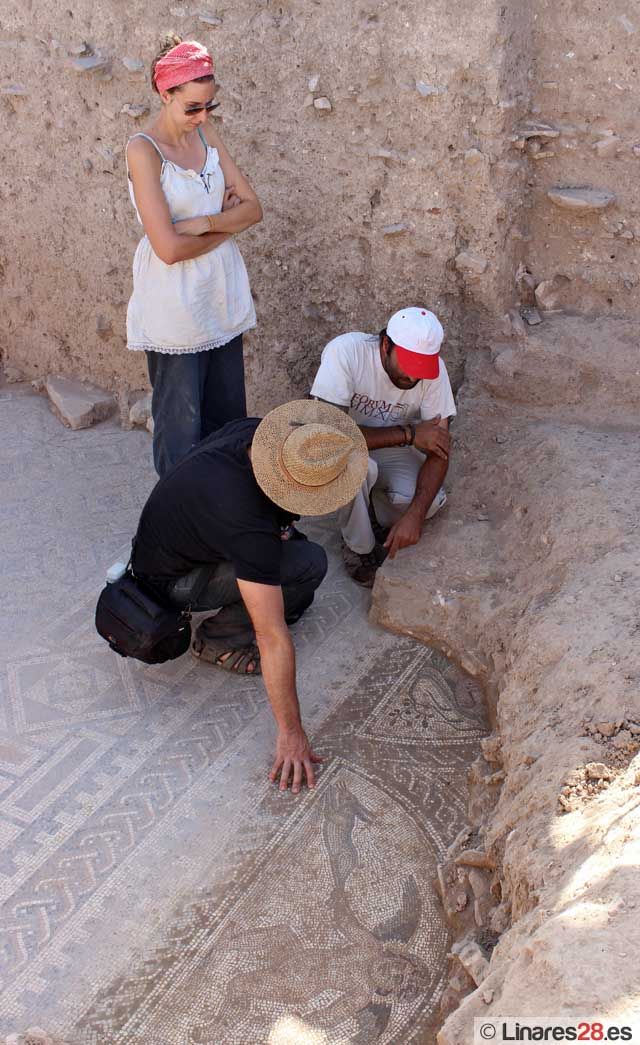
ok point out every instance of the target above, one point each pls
(140, 412)
(581, 200)
(77, 404)
(472, 959)
(470, 263)
(93, 63)
(475, 858)
(549, 291)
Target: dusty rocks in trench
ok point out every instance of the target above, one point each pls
(620, 741)
(470, 886)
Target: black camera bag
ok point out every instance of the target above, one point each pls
(135, 624)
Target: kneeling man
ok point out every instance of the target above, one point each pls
(216, 533)
(396, 387)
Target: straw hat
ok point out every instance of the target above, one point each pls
(309, 457)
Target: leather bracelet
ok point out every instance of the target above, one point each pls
(406, 431)
(413, 434)
(210, 218)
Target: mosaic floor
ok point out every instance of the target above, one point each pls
(154, 887)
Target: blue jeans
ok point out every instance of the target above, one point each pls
(303, 568)
(194, 394)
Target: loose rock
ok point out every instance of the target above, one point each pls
(548, 292)
(606, 728)
(491, 748)
(425, 90)
(475, 858)
(81, 49)
(500, 919)
(517, 323)
(13, 375)
(622, 740)
(92, 64)
(478, 882)
(532, 129)
(79, 405)
(135, 111)
(209, 18)
(470, 263)
(397, 229)
(140, 412)
(472, 959)
(133, 65)
(581, 200)
(482, 905)
(323, 104)
(607, 146)
(597, 771)
(531, 316)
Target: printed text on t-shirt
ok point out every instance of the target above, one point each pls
(378, 408)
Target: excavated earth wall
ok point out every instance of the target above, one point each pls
(377, 136)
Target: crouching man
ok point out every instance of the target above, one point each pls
(396, 387)
(217, 533)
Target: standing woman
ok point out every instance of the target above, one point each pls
(191, 300)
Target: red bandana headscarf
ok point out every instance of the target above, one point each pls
(187, 61)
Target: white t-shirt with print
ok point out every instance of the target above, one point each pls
(351, 374)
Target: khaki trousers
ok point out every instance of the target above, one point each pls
(389, 486)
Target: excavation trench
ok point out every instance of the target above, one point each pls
(530, 580)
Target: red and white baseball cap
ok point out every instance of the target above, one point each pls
(417, 335)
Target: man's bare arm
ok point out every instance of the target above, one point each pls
(431, 437)
(265, 606)
(408, 529)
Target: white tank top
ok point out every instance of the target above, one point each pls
(191, 305)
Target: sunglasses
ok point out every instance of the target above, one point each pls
(193, 110)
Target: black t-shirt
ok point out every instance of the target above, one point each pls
(209, 508)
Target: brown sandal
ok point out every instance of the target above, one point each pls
(238, 660)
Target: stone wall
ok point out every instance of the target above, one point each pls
(369, 197)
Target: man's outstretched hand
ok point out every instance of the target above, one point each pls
(432, 439)
(293, 756)
(404, 533)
